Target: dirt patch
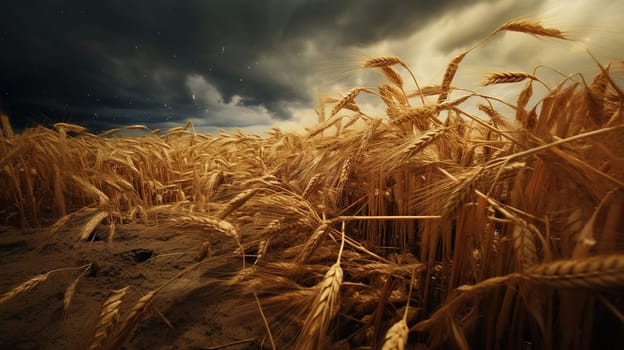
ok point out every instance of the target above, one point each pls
(201, 312)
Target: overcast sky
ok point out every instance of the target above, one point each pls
(254, 64)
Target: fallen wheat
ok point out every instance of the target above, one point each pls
(24, 287)
(108, 319)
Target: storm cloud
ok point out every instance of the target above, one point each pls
(223, 64)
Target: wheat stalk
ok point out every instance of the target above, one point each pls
(386, 95)
(207, 223)
(109, 132)
(602, 271)
(419, 115)
(138, 311)
(263, 246)
(524, 246)
(532, 27)
(396, 93)
(466, 184)
(383, 61)
(386, 62)
(24, 287)
(310, 186)
(212, 225)
(496, 119)
(65, 127)
(108, 319)
(427, 91)
(58, 225)
(392, 76)
(525, 95)
(345, 171)
(236, 202)
(313, 242)
(91, 224)
(506, 77)
(324, 308)
(396, 336)
(449, 74)
(387, 269)
(89, 188)
(347, 99)
(266, 322)
(421, 142)
(69, 292)
(68, 296)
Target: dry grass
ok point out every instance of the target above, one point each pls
(498, 216)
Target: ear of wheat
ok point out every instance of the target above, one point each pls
(236, 202)
(392, 76)
(91, 224)
(137, 313)
(324, 307)
(71, 289)
(506, 77)
(383, 61)
(108, 319)
(396, 337)
(348, 98)
(397, 334)
(449, 74)
(532, 27)
(24, 287)
(313, 242)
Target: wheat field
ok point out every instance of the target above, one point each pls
(456, 221)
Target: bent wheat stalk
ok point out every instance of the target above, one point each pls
(71, 289)
(533, 27)
(449, 74)
(597, 272)
(33, 282)
(325, 306)
(24, 287)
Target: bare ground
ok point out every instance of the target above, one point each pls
(201, 314)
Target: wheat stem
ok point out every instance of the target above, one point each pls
(266, 323)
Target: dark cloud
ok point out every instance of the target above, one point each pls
(106, 63)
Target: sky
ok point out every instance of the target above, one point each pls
(258, 64)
